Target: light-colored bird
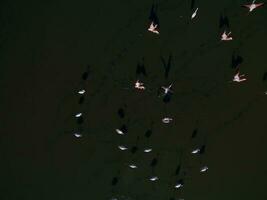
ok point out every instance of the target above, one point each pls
(178, 185)
(154, 178)
(167, 89)
(204, 169)
(153, 28)
(253, 5)
(119, 132)
(78, 115)
(81, 91)
(238, 77)
(77, 135)
(123, 148)
(225, 36)
(139, 85)
(195, 151)
(132, 166)
(194, 14)
(166, 120)
(147, 150)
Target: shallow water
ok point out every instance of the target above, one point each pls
(45, 51)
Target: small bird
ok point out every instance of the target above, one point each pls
(81, 91)
(154, 178)
(204, 169)
(238, 77)
(195, 151)
(225, 37)
(194, 14)
(153, 28)
(77, 135)
(147, 150)
(167, 120)
(253, 5)
(179, 184)
(119, 132)
(78, 115)
(139, 85)
(167, 90)
(123, 148)
(133, 166)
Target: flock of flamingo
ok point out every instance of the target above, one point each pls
(167, 91)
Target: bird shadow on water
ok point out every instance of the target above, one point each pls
(85, 75)
(167, 66)
(194, 134)
(121, 112)
(140, 68)
(167, 98)
(153, 14)
(80, 120)
(81, 100)
(236, 60)
(192, 4)
(223, 21)
(124, 128)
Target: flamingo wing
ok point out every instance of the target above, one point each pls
(259, 4)
(247, 6)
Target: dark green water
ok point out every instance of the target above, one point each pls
(45, 47)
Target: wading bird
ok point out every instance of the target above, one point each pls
(132, 166)
(154, 178)
(167, 90)
(195, 151)
(123, 148)
(153, 28)
(253, 5)
(238, 77)
(194, 14)
(225, 37)
(81, 91)
(167, 120)
(147, 150)
(179, 184)
(204, 169)
(139, 85)
(119, 132)
(77, 135)
(78, 115)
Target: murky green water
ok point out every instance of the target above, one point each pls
(45, 49)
